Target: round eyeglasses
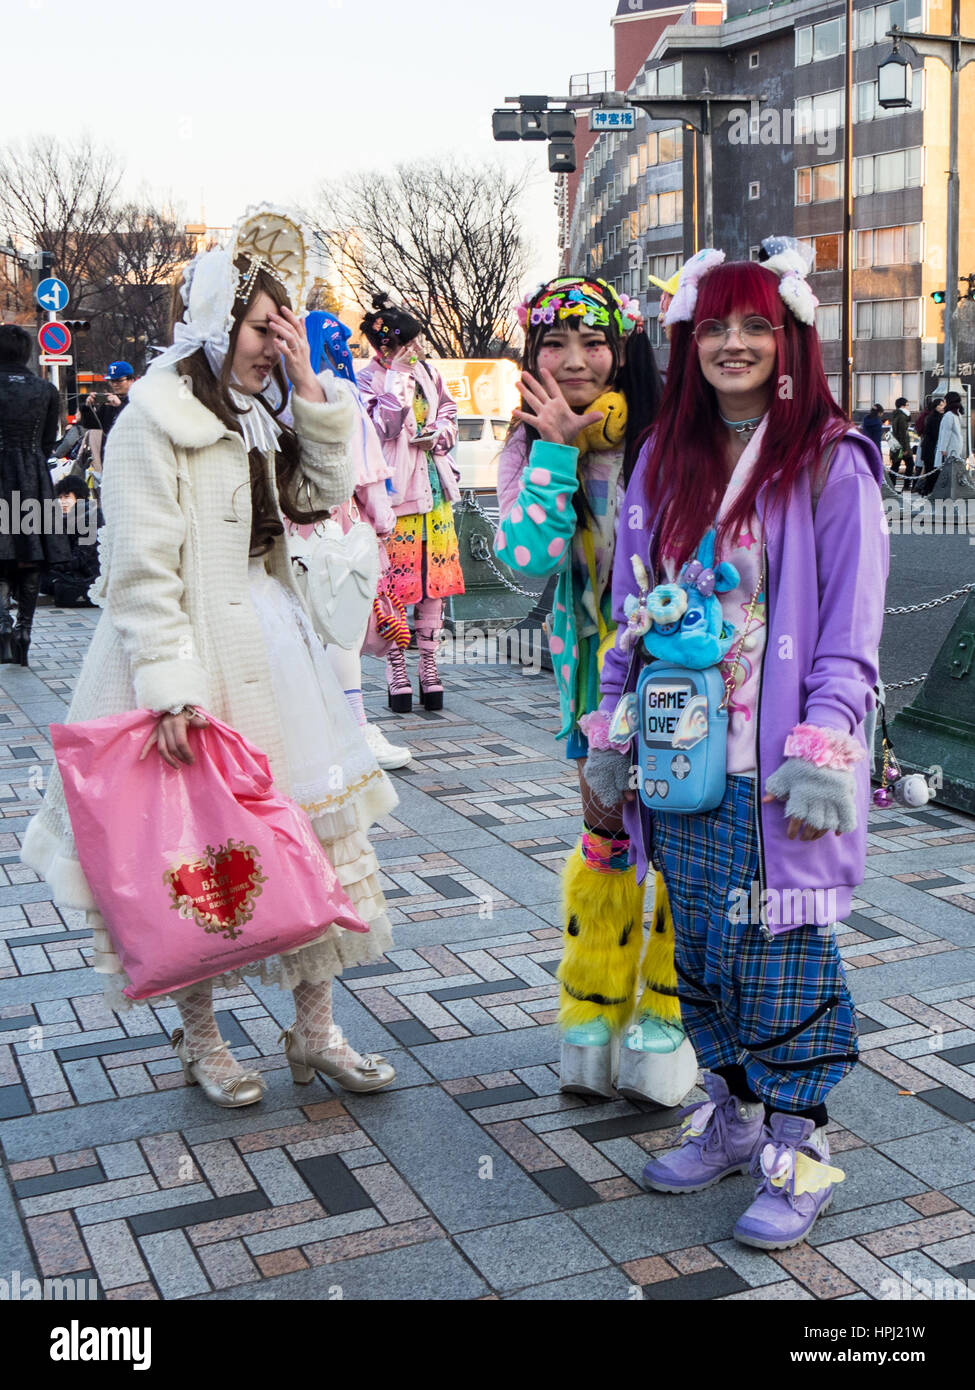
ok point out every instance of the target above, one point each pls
(754, 332)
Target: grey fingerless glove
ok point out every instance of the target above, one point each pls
(823, 797)
(607, 776)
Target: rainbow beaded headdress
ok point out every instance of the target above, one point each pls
(573, 296)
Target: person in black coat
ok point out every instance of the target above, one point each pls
(30, 538)
(872, 424)
(929, 445)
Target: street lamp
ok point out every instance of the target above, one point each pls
(954, 50)
(894, 76)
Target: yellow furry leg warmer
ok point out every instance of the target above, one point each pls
(603, 938)
(657, 971)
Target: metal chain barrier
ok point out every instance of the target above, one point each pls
(902, 685)
(931, 603)
(484, 553)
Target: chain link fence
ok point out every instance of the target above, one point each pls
(482, 551)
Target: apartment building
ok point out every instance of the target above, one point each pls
(778, 167)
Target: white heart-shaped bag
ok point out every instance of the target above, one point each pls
(337, 573)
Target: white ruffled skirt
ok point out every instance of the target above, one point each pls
(332, 776)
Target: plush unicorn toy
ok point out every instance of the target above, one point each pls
(682, 623)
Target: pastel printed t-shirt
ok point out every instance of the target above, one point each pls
(745, 553)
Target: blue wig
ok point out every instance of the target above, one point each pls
(327, 339)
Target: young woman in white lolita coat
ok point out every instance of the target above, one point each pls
(200, 609)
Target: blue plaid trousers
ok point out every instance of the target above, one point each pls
(781, 1008)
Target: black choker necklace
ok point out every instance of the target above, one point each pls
(746, 428)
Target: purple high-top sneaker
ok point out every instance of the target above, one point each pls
(718, 1138)
(796, 1183)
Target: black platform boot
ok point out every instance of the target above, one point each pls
(28, 587)
(6, 624)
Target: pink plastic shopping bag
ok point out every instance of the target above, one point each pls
(197, 869)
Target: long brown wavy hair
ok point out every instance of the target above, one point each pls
(214, 393)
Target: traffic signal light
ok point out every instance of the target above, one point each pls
(77, 325)
(562, 156)
(939, 296)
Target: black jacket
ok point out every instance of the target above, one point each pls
(900, 428)
(929, 439)
(102, 417)
(29, 418)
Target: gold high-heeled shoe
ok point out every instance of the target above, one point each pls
(231, 1093)
(374, 1073)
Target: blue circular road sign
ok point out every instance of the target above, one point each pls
(52, 294)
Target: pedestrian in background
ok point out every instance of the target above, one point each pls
(929, 430)
(900, 448)
(416, 420)
(29, 421)
(950, 442)
(328, 345)
(872, 424)
(100, 410)
(68, 582)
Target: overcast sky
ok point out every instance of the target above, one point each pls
(216, 104)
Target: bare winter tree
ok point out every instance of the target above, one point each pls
(58, 196)
(130, 277)
(444, 240)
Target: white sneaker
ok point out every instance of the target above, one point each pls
(387, 754)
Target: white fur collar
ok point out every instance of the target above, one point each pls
(170, 404)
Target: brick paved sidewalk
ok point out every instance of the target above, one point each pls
(472, 1177)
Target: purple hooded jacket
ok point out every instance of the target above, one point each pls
(827, 571)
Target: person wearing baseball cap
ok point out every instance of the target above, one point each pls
(101, 410)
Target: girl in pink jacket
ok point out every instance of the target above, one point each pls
(416, 421)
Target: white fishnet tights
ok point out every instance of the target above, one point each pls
(319, 1031)
(201, 1032)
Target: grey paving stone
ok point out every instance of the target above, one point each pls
(88, 1081)
(964, 1195)
(507, 870)
(627, 1156)
(433, 1270)
(860, 1221)
(115, 1255)
(174, 1265)
(362, 1158)
(939, 1158)
(14, 1251)
(122, 1207)
(756, 1269)
(132, 1118)
(267, 1242)
(924, 1278)
(121, 1160)
(868, 1105)
(872, 1178)
(910, 976)
(277, 1176)
(490, 1053)
(606, 1285)
(655, 1222)
(447, 1177)
(86, 1196)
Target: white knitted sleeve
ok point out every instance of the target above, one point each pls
(324, 433)
(142, 587)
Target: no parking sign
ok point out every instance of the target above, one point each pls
(54, 338)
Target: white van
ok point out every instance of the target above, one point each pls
(480, 439)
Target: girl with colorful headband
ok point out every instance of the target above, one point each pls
(590, 388)
(751, 455)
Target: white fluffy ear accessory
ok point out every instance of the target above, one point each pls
(793, 286)
(684, 302)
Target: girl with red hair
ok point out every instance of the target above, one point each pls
(752, 493)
